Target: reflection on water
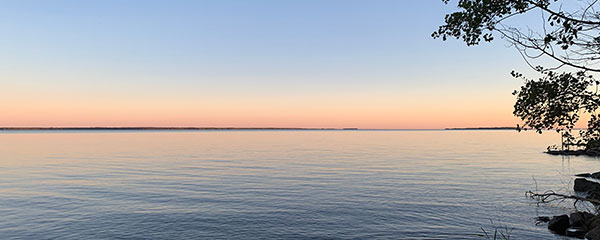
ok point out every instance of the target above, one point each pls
(276, 184)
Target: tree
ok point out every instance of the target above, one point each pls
(567, 38)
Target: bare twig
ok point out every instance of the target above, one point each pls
(551, 196)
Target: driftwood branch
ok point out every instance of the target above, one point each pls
(551, 196)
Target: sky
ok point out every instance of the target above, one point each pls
(239, 63)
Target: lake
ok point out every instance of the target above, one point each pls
(278, 184)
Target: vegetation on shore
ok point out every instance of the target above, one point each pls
(566, 39)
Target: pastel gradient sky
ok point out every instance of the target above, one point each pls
(239, 63)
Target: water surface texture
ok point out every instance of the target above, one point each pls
(277, 184)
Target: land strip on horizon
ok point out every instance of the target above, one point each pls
(168, 128)
(223, 128)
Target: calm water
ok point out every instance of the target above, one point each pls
(276, 184)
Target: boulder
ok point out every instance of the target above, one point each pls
(583, 175)
(593, 234)
(576, 232)
(592, 223)
(584, 220)
(595, 175)
(559, 224)
(583, 185)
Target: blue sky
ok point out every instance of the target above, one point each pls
(187, 52)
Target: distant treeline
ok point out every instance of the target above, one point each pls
(484, 128)
(161, 128)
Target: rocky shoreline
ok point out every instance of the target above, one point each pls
(580, 224)
(586, 152)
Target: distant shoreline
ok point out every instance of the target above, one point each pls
(483, 128)
(155, 128)
(231, 129)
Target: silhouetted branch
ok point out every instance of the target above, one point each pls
(551, 196)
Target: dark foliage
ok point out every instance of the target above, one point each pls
(568, 34)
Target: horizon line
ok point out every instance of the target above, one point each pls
(100, 128)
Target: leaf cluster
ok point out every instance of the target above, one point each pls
(556, 100)
(478, 18)
(570, 38)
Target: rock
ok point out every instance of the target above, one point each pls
(595, 175)
(583, 175)
(567, 152)
(583, 185)
(590, 188)
(576, 232)
(559, 224)
(594, 234)
(582, 219)
(592, 223)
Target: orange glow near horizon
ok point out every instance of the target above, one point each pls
(336, 111)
